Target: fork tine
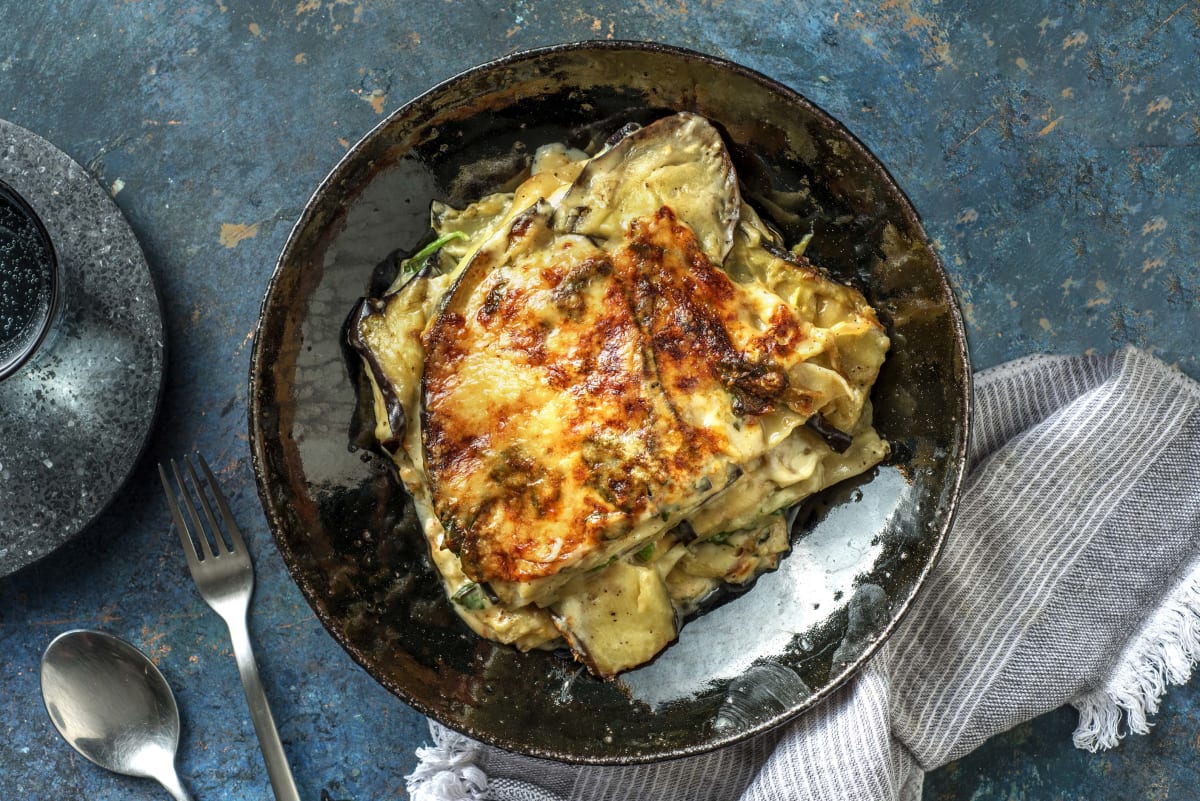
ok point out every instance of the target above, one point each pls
(231, 526)
(185, 496)
(185, 537)
(215, 529)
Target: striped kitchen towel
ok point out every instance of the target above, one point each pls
(1072, 575)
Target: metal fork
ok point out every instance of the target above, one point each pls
(225, 577)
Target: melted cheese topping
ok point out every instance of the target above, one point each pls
(598, 395)
(540, 410)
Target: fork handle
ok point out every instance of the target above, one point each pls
(264, 724)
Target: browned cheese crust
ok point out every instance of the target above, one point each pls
(598, 358)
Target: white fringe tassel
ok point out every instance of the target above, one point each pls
(446, 771)
(1163, 653)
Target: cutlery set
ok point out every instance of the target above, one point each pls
(109, 701)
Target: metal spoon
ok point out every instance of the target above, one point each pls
(110, 703)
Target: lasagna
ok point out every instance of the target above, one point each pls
(604, 389)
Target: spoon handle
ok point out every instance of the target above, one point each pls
(169, 779)
(264, 724)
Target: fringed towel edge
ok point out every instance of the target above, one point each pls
(1163, 653)
(446, 770)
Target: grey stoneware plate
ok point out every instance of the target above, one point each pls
(74, 421)
(346, 528)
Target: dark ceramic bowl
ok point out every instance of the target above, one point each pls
(346, 528)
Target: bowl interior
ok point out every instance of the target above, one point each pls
(347, 531)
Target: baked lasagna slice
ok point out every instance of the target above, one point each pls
(606, 387)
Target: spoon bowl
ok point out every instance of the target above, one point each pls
(112, 705)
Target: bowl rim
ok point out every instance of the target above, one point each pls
(954, 482)
(53, 267)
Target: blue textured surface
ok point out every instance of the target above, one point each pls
(1051, 148)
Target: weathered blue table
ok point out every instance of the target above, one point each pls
(1052, 148)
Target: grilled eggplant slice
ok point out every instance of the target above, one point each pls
(679, 163)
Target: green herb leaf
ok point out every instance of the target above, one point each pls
(411, 265)
(438, 244)
(646, 552)
(598, 568)
(470, 596)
